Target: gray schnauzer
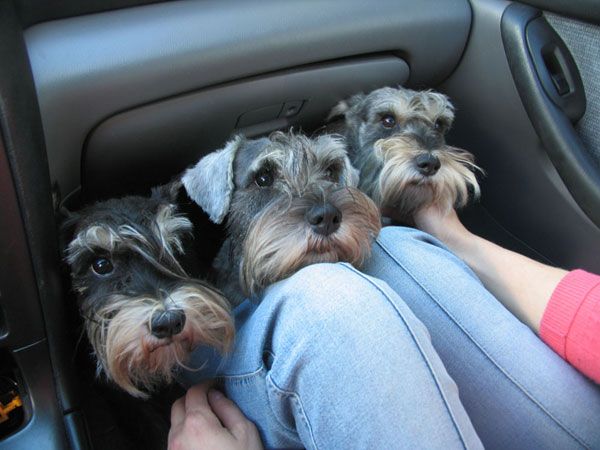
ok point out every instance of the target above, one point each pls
(290, 201)
(142, 312)
(397, 142)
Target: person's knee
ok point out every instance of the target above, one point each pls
(334, 296)
(330, 314)
(325, 286)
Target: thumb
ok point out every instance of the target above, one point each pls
(228, 413)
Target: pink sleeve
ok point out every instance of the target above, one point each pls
(571, 322)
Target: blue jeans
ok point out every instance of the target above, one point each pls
(333, 358)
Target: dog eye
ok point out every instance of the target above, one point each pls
(388, 121)
(332, 173)
(102, 266)
(440, 125)
(264, 178)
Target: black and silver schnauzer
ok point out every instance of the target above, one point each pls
(143, 313)
(396, 139)
(289, 201)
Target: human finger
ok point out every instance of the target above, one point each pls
(178, 411)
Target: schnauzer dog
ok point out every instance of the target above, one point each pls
(142, 312)
(396, 140)
(290, 201)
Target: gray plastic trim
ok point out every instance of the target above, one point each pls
(90, 67)
(149, 145)
(45, 426)
(23, 321)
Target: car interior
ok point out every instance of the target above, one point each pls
(105, 98)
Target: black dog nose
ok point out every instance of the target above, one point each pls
(324, 219)
(167, 323)
(428, 164)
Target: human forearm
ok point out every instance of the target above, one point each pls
(523, 285)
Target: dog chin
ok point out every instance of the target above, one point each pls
(139, 362)
(153, 345)
(322, 254)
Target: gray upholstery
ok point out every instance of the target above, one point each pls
(88, 68)
(583, 40)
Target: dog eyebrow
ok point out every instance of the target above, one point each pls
(337, 161)
(100, 237)
(267, 160)
(167, 227)
(90, 239)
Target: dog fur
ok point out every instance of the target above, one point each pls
(390, 132)
(268, 234)
(142, 240)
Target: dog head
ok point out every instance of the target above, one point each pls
(142, 312)
(397, 140)
(290, 201)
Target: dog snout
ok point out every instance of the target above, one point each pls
(167, 323)
(427, 164)
(324, 219)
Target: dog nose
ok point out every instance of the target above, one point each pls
(167, 323)
(324, 219)
(428, 164)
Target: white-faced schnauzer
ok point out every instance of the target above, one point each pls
(142, 312)
(396, 140)
(289, 201)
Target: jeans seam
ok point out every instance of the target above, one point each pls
(296, 398)
(242, 375)
(421, 351)
(484, 351)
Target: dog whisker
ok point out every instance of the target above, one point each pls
(136, 239)
(269, 233)
(404, 162)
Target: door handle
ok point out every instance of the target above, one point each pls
(551, 90)
(555, 68)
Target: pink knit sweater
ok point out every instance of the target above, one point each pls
(571, 322)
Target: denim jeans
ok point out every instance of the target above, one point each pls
(333, 358)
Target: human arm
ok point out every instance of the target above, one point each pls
(204, 419)
(523, 285)
(562, 307)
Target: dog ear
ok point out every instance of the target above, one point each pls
(167, 193)
(345, 106)
(210, 182)
(351, 174)
(67, 224)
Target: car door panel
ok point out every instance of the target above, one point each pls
(90, 67)
(533, 208)
(162, 138)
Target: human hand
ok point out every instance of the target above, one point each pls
(206, 420)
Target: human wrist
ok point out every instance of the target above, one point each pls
(445, 226)
(463, 244)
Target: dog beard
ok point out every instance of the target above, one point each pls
(133, 358)
(280, 241)
(400, 190)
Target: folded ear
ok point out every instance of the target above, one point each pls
(340, 110)
(68, 222)
(168, 192)
(210, 182)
